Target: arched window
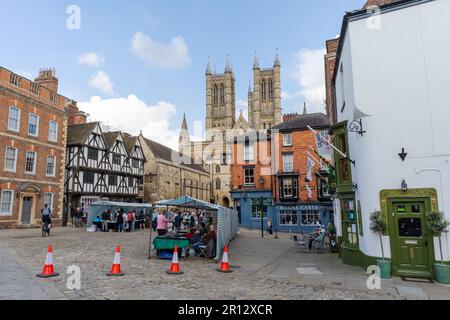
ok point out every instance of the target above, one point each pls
(270, 89)
(218, 184)
(215, 95)
(217, 169)
(263, 90)
(222, 94)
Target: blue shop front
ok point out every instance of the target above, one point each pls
(303, 217)
(249, 214)
(292, 217)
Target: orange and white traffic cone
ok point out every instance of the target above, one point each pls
(48, 271)
(175, 266)
(225, 266)
(115, 269)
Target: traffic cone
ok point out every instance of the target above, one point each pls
(175, 266)
(115, 269)
(48, 271)
(225, 266)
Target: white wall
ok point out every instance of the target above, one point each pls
(400, 76)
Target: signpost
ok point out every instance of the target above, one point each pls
(261, 203)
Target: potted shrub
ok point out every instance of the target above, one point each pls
(438, 225)
(378, 225)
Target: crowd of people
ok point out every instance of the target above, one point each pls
(197, 226)
(120, 221)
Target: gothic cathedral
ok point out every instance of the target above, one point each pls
(264, 112)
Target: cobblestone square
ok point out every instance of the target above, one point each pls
(263, 269)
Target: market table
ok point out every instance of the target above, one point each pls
(169, 243)
(161, 243)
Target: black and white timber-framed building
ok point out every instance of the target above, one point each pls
(101, 166)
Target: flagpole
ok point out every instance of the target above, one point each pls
(317, 161)
(329, 143)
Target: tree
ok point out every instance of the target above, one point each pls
(437, 224)
(378, 225)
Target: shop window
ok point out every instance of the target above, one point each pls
(288, 218)
(349, 223)
(310, 217)
(256, 212)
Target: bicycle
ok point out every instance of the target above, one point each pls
(45, 228)
(80, 222)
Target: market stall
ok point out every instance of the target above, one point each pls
(226, 220)
(98, 208)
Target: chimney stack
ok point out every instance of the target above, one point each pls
(47, 78)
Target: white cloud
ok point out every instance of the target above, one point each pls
(172, 55)
(132, 115)
(92, 59)
(310, 76)
(101, 81)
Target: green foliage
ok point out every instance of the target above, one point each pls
(436, 222)
(377, 224)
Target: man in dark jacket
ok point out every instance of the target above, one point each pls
(178, 220)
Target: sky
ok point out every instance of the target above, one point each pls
(139, 65)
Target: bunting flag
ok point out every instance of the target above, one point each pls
(310, 194)
(309, 164)
(326, 161)
(323, 146)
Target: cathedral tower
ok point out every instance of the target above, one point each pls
(265, 100)
(220, 101)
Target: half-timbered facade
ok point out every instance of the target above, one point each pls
(102, 166)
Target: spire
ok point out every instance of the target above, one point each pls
(184, 125)
(250, 87)
(228, 67)
(277, 60)
(305, 112)
(208, 67)
(256, 62)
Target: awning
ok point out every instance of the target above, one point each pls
(188, 202)
(122, 204)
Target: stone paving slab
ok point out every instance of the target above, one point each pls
(267, 269)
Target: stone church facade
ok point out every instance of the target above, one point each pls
(264, 111)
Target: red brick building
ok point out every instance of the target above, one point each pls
(273, 169)
(330, 64)
(33, 135)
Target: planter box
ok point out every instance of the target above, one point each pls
(385, 268)
(442, 273)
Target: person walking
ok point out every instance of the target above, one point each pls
(269, 227)
(105, 219)
(125, 219)
(178, 221)
(154, 220)
(131, 219)
(119, 221)
(162, 224)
